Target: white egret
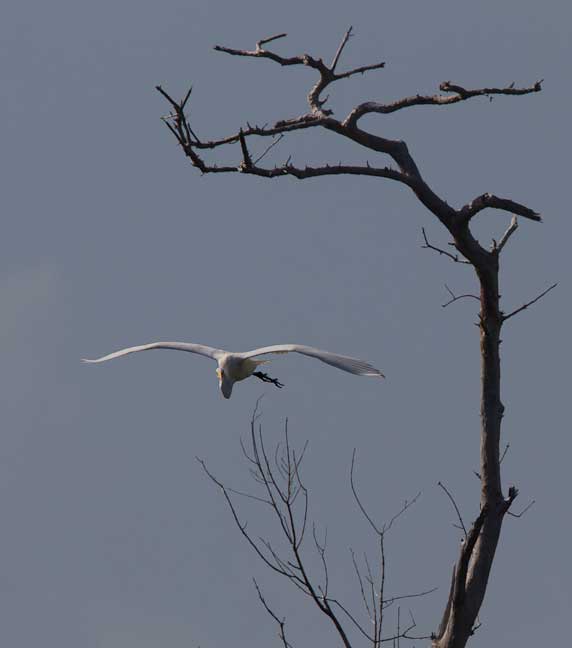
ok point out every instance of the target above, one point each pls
(233, 367)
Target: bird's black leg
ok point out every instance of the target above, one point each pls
(266, 378)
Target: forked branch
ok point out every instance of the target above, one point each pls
(455, 298)
(428, 246)
(372, 588)
(278, 477)
(327, 73)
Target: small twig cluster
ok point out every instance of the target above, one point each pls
(282, 491)
(372, 588)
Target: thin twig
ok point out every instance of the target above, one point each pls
(428, 246)
(360, 70)
(525, 306)
(360, 580)
(241, 526)
(352, 618)
(460, 518)
(281, 622)
(406, 504)
(167, 97)
(524, 510)
(392, 600)
(321, 549)
(504, 453)
(187, 96)
(455, 298)
(357, 499)
(340, 49)
(263, 41)
(268, 148)
(249, 496)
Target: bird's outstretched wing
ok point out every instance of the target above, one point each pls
(346, 363)
(209, 352)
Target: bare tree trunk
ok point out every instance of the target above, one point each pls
(470, 583)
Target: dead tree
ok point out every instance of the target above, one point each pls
(476, 555)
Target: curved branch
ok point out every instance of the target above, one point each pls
(494, 202)
(461, 94)
(452, 500)
(453, 299)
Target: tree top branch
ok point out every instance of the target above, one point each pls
(405, 170)
(460, 94)
(327, 73)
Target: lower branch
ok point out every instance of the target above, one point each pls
(281, 622)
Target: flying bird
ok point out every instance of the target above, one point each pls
(233, 367)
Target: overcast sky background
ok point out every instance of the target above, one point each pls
(111, 535)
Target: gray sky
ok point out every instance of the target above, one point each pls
(111, 535)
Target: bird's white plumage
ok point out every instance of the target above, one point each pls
(346, 363)
(209, 352)
(233, 367)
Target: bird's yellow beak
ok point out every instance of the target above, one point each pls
(219, 374)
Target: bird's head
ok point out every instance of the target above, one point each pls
(224, 382)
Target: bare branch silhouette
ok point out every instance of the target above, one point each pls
(525, 306)
(455, 298)
(454, 506)
(454, 257)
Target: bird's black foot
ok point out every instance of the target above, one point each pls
(266, 378)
